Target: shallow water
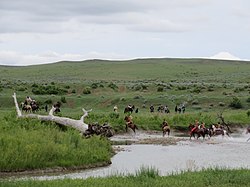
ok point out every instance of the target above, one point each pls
(233, 152)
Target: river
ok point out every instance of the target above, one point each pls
(186, 155)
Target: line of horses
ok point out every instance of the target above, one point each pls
(194, 130)
(202, 132)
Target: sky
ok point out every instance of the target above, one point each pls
(46, 31)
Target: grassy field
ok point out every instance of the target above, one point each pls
(150, 177)
(206, 87)
(27, 144)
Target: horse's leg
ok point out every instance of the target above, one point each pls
(168, 132)
(126, 128)
(225, 132)
(133, 128)
(191, 135)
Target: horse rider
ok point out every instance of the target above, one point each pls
(164, 123)
(202, 126)
(129, 119)
(196, 126)
(151, 108)
(115, 108)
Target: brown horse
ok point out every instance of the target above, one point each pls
(165, 128)
(198, 131)
(130, 124)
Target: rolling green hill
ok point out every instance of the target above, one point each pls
(203, 85)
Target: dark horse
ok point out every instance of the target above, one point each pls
(198, 131)
(165, 128)
(129, 109)
(130, 124)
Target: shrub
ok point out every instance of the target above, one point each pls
(195, 102)
(63, 99)
(94, 86)
(86, 91)
(235, 103)
(248, 99)
(113, 86)
(248, 113)
(160, 89)
(221, 104)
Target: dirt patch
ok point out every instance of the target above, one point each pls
(161, 141)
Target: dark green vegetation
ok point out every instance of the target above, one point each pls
(206, 87)
(150, 177)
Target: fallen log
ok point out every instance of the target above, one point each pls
(76, 124)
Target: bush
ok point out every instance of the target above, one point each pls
(113, 86)
(63, 99)
(248, 99)
(248, 113)
(86, 91)
(160, 89)
(94, 86)
(235, 103)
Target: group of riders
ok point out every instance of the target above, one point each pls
(29, 105)
(201, 130)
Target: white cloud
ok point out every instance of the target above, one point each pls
(75, 29)
(19, 59)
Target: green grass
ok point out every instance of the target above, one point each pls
(150, 177)
(207, 87)
(29, 144)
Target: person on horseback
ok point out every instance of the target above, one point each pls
(201, 126)
(115, 109)
(196, 126)
(128, 119)
(164, 123)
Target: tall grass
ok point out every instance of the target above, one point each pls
(150, 177)
(29, 144)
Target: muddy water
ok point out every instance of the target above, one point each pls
(219, 152)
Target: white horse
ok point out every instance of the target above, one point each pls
(219, 131)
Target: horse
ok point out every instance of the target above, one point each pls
(165, 128)
(130, 124)
(57, 105)
(129, 109)
(218, 131)
(26, 108)
(35, 107)
(198, 131)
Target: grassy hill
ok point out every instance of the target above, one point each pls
(203, 85)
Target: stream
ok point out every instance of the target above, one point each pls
(185, 155)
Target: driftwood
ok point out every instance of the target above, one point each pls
(76, 124)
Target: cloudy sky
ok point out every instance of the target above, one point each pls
(44, 31)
